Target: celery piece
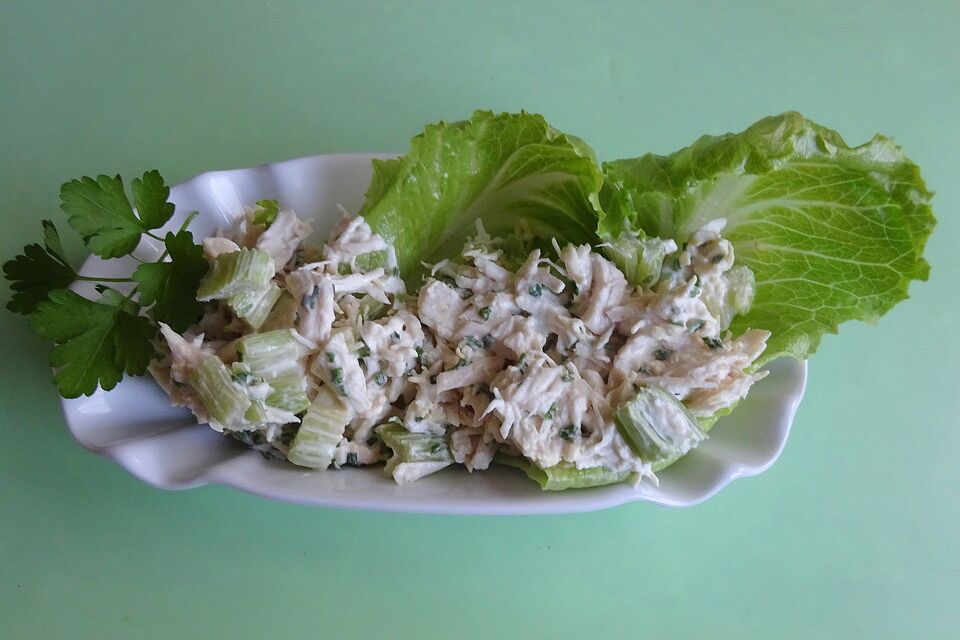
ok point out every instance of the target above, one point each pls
(253, 307)
(415, 455)
(320, 431)
(275, 356)
(370, 261)
(415, 447)
(236, 272)
(640, 259)
(283, 315)
(288, 394)
(564, 476)
(256, 414)
(657, 426)
(271, 355)
(225, 401)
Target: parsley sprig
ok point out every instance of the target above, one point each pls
(99, 340)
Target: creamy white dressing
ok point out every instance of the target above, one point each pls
(535, 361)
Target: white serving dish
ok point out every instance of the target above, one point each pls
(135, 426)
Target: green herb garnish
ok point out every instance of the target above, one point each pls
(552, 411)
(266, 212)
(568, 432)
(99, 340)
(713, 343)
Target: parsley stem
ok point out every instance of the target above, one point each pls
(188, 220)
(98, 279)
(154, 236)
(183, 227)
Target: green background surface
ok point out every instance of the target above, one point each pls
(852, 534)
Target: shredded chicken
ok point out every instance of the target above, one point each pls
(534, 360)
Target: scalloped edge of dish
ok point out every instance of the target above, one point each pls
(165, 448)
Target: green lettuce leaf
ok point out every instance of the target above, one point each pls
(500, 169)
(831, 233)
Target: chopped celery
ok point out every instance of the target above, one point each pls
(657, 426)
(242, 375)
(320, 431)
(288, 394)
(256, 414)
(640, 259)
(370, 261)
(741, 288)
(404, 472)
(370, 309)
(562, 476)
(284, 313)
(414, 454)
(265, 212)
(253, 307)
(275, 356)
(225, 401)
(272, 355)
(236, 272)
(415, 447)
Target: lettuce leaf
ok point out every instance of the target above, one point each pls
(831, 233)
(502, 169)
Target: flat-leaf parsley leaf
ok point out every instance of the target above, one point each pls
(100, 211)
(37, 272)
(171, 286)
(96, 341)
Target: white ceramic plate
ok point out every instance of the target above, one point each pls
(134, 425)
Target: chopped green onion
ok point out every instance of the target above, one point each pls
(484, 313)
(713, 343)
(309, 300)
(536, 290)
(552, 411)
(694, 325)
(471, 341)
(569, 432)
